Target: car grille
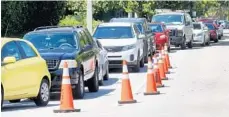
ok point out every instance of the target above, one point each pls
(114, 48)
(172, 32)
(115, 62)
(52, 64)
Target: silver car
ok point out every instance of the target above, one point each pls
(201, 34)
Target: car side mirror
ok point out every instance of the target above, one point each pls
(141, 36)
(8, 60)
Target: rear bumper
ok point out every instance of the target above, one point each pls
(198, 40)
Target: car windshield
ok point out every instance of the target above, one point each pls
(52, 40)
(114, 32)
(168, 19)
(197, 26)
(210, 26)
(156, 27)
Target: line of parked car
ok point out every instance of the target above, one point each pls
(31, 67)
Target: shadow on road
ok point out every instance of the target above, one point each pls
(110, 81)
(101, 92)
(22, 106)
(221, 43)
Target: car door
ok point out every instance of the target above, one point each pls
(13, 74)
(94, 50)
(140, 42)
(84, 54)
(188, 27)
(32, 65)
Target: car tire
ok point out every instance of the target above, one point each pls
(93, 83)
(2, 96)
(216, 40)
(190, 44)
(204, 43)
(146, 58)
(183, 45)
(79, 90)
(142, 63)
(137, 67)
(106, 76)
(44, 94)
(168, 48)
(15, 101)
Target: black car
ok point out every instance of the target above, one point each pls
(149, 43)
(74, 45)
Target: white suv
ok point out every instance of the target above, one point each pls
(123, 41)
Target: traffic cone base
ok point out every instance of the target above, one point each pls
(127, 102)
(152, 93)
(160, 85)
(165, 78)
(66, 111)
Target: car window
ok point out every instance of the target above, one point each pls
(89, 37)
(156, 27)
(29, 52)
(196, 26)
(171, 19)
(50, 40)
(82, 41)
(114, 32)
(10, 49)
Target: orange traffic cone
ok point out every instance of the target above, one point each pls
(157, 73)
(165, 62)
(151, 88)
(167, 57)
(161, 68)
(126, 94)
(66, 99)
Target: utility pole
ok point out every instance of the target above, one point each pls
(89, 15)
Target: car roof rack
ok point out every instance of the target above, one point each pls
(48, 27)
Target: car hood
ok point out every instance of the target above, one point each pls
(197, 31)
(117, 42)
(58, 54)
(178, 27)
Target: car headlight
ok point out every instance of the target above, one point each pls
(180, 33)
(128, 47)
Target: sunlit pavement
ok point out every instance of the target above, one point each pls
(198, 86)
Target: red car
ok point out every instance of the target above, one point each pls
(161, 35)
(213, 31)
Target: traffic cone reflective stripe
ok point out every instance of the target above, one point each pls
(151, 88)
(157, 73)
(66, 99)
(126, 91)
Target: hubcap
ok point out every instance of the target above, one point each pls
(44, 92)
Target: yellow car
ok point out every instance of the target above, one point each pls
(24, 73)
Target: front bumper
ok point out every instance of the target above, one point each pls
(115, 59)
(198, 40)
(56, 77)
(175, 40)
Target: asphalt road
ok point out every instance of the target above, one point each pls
(198, 86)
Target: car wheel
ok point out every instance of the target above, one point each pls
(190, 44)
(146, 58)
(79, 91)
(15, 101)
(2, 96)
(44, 94)
(168, 49)
(203, 44)
(183, 45)
(93, 83)
(142, 63)
(137, 67)
(100, 75)
(219, 37)
(216, 40)
(106, 76)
